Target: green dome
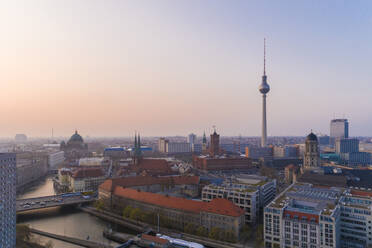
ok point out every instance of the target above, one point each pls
(76, 138)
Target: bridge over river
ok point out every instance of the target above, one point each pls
(52, 201)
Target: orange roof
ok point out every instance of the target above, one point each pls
(154, 166)
(361, 193)
(128, 182)
(217, 206)
(91, 172)
(154, 239)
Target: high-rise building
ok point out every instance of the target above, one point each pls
(191, 139)
(264, 88)
(8, 200)
(311, 154)
(347, 145)
(215, 144)
(162, 145)
(339, 130)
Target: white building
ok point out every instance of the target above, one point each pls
(312, 217)
(250, 194)
(87, 179)
(56, 158)
(175, 147)
(8, 179)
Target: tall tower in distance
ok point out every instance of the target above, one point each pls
(215, 144)
(264, 88)
(311, 154)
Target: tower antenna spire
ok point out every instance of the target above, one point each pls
(264, 56)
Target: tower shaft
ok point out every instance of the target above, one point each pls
(264, 128)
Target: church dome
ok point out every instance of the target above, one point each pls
(76, 138)
(312, 137)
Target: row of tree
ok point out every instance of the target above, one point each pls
(153, 218)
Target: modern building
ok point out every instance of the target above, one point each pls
(8, 178)
(31, 166)
(250, 193)
(348, 150)
(259, 152)
(285, 151)
(264, 88)
(177, 147)
(310, 216)
(55, 158)
(219, 213)
(191, 139)
(162, 145)
(311, 154)
(347, 145)
(339, 129)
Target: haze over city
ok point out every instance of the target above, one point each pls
(108, 68)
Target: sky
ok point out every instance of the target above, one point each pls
(165, 67)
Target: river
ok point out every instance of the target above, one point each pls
(64, 221)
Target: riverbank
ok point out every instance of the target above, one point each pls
(141, 227)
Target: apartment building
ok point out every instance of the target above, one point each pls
(249, 193)
(310, 216)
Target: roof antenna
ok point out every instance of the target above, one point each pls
(264, 57)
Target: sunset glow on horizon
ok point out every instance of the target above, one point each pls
(167, 67)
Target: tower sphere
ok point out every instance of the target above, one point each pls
(264, 87)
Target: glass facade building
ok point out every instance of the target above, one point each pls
(8, 182)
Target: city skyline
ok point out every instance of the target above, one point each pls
(170, 69)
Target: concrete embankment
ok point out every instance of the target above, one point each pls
(141, 227)
(71, 240)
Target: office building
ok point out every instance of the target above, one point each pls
(55, 159)
(303, 216)
(347, 145)
(251, 193)
(309, 216)
(339, 129)
(311, 154)
(8, 177)
(177, 147)
(191, 139)
(264, 88)
(207, 163)
(162, 145)
(259, 152)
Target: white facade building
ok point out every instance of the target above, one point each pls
(248, 194)
(8, 179)
(176, 147)
(55, 158)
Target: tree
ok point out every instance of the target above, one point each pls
(202, 231)
(259, 236)
(23, 233)
(214, 233)
(190, 228)
(229, 236)
(127, 211)
(135, 214)
(99, 204)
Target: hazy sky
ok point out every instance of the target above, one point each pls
(174, 67)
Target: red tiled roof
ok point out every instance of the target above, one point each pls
(361, 193)
(91, 172)
(301, 215)
(154, 166)
(154, 239)
(148, 180)
(217, 206)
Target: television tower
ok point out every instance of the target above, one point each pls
(264, 88)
